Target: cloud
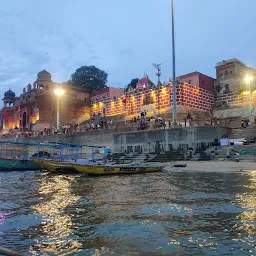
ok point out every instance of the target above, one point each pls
(120, 37)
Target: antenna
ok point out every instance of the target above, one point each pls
(158, 68)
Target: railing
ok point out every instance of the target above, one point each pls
(120, 127)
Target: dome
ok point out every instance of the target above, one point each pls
(9, 94)
(44, 75)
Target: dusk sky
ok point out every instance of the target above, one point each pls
(123, 37)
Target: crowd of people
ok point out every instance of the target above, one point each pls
(103, 124)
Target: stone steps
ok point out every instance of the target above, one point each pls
(238, 133)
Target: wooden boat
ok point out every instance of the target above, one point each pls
(17, 165)
(54, 166)
(106, 169)
(97, 169)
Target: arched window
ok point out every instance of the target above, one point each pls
(41, 87)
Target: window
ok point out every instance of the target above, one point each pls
(226, 73)
(226, 87)
(230, 72)
(221, 74)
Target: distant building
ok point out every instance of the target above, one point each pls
(230, 75)
(108, 93)
(230, 85)
(143, 83)
(197, 79)
(36, 107)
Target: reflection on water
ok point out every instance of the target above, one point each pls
(182, 213)
(55, 231)
(248, 202)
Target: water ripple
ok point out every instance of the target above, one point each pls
(180, 213)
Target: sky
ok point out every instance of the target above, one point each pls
(122, 37)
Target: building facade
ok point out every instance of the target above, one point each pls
(233, 93)
(197, 79)
(105, 94)
(36, 107)
(197, 95)
(190, 99)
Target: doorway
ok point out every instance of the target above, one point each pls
(24, 120)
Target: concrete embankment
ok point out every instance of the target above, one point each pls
(158, 145)
(157, 141)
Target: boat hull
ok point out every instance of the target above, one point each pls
(54, 166)
(116, 169)
(17, 165)
(96, 169)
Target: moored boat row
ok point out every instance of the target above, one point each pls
(58, 157)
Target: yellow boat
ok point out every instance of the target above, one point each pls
(117, 169)
(54, 166)
(97, 169)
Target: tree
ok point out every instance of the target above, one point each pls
(90, 78)
(132, 84)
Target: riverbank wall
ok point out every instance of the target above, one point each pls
(155, 145)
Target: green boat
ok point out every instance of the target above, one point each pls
(247, 151)
(17, 165)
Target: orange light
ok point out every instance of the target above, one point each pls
(59, 92)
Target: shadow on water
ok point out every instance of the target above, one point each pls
(180, 213)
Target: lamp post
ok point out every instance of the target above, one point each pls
(58, 92)
(174, 113)
(248, 80)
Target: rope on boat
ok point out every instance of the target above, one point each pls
(9, 252)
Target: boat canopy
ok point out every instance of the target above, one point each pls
(50, 150)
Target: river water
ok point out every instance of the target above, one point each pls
(178, 213)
